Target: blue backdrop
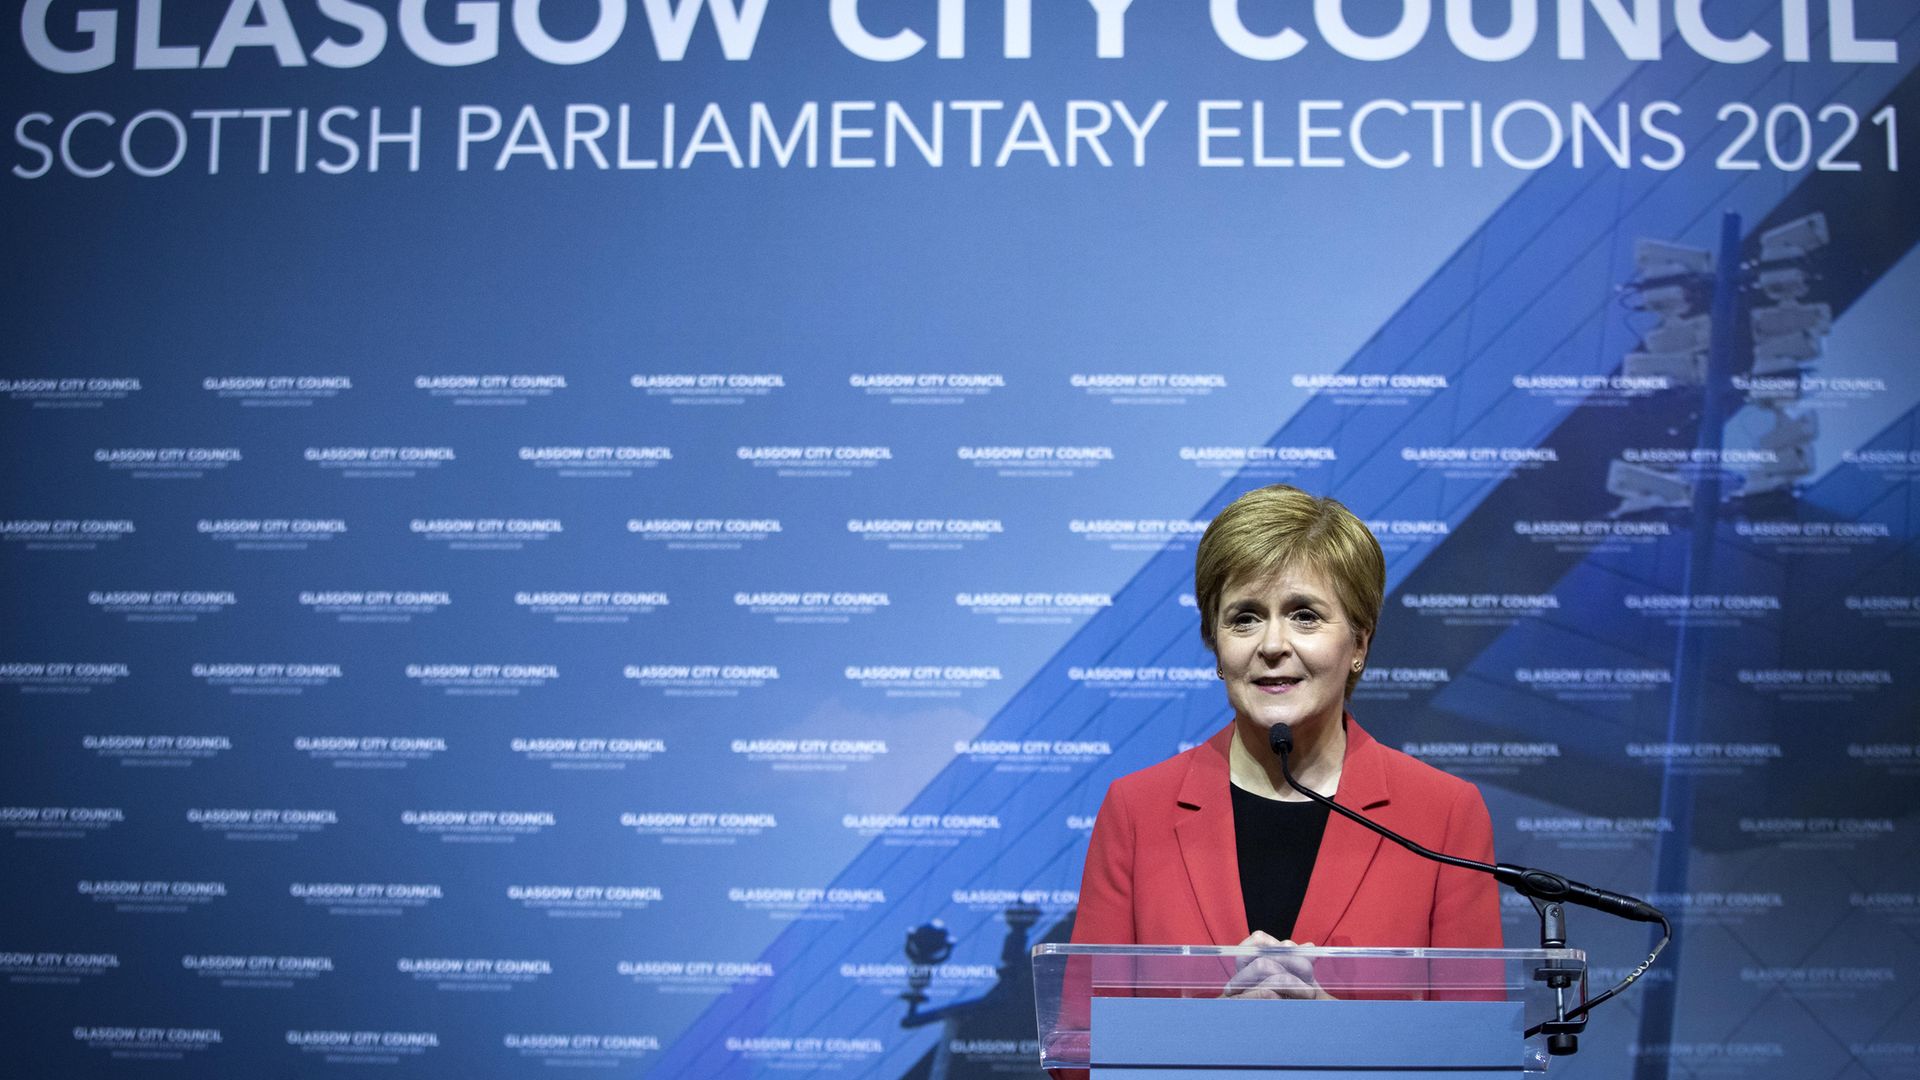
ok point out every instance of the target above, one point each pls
(555, 535)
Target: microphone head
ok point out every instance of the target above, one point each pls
(1280, 737)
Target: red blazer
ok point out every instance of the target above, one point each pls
(1161, 869)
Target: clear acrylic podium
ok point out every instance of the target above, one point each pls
(1161, 1012)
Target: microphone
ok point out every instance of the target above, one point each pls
(1525, 880)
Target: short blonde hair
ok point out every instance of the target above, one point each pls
(1270, 529)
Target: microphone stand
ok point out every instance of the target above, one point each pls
(1563, 1032)
(1547, 891)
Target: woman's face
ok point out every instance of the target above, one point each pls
(1285, 648)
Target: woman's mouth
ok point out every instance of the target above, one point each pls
(1276, 684)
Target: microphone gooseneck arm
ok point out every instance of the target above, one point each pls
(1525, 880)
(1280, 738)
(1547, 891)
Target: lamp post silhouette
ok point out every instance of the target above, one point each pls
(1003, 1010)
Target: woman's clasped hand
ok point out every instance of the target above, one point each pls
(1271, 976)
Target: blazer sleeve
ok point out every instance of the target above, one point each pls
(1466, 903)
(1106, 885)
(1105, 915)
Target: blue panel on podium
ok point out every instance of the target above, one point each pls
(1140, 1037)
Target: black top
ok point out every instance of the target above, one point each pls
(1276, 843)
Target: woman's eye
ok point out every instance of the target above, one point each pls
(1305, 618)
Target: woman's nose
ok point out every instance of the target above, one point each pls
(1273, 641)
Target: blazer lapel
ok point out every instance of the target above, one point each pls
(1205, 833)
(1347, 848)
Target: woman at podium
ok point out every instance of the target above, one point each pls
(1213, 846)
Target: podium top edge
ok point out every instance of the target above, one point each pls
(1574, 955)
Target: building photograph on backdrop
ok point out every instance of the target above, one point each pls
(927, 539)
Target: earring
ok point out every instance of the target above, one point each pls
(1357, 665)
(1219, 672)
